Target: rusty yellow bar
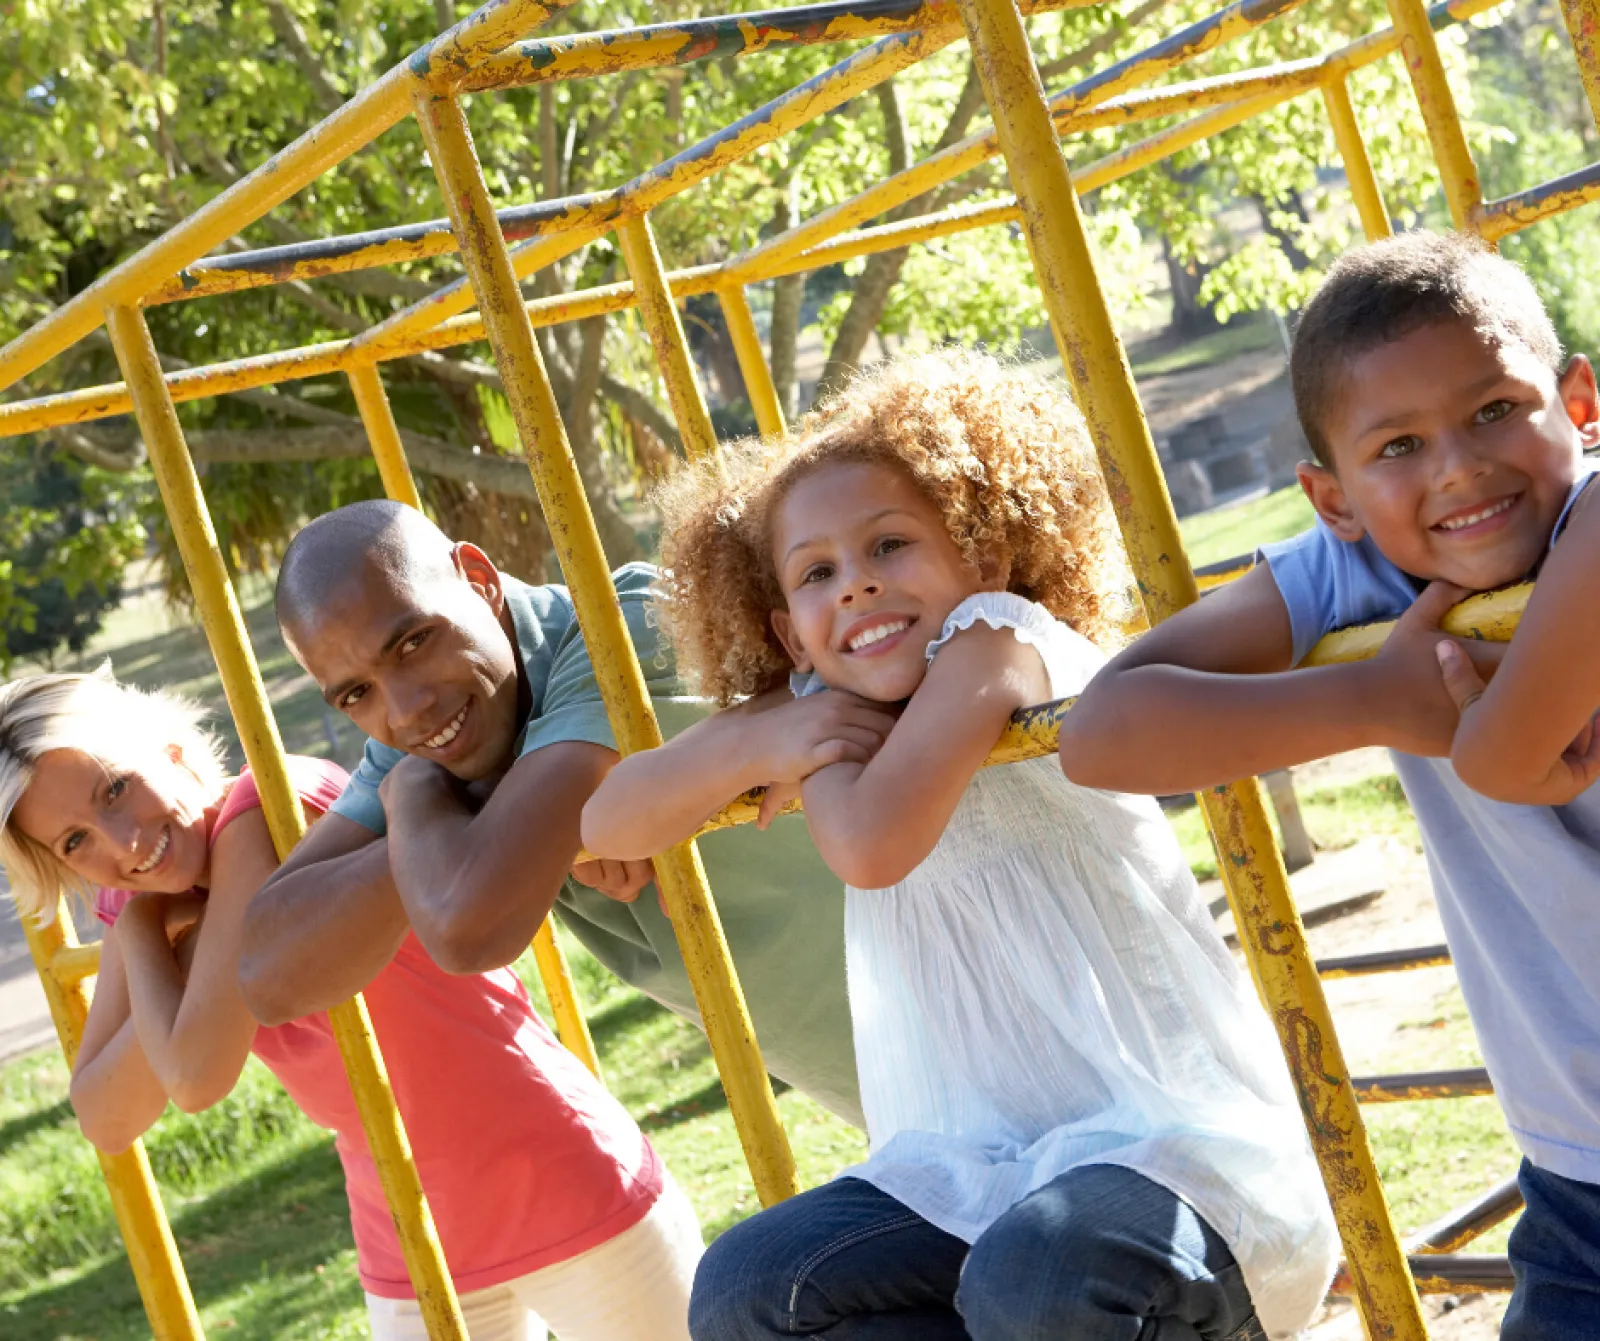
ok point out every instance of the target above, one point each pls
(1357, 165)
(563, 997)
(660, 314)
(258, 732)
(566, 508)
(1421, 54)
(447, 60)
(152, 1252)
(1258, 887)
(384, 435)
(1583, 26)
(753, 367)
(73, 963)
(1511, 214)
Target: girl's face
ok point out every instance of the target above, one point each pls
(870, 574)
(141, 829)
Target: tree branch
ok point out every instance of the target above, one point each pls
(1103, 41)
(293, 36)
(894, 126)
(642, 408)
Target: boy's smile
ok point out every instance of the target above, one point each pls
(1454, 451)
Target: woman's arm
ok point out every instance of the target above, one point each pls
(115, 1094)
(1528, 737)
(875, 823)
(656, 798)
(195, 1028)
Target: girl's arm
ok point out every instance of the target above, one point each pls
(876, 822)
(195, 1028)
(115, 1094)
(656, 798)
(1528, 737)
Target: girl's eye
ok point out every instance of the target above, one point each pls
(1403, 446)
(889, 544)
(74, 841)
(1495, 409)
(819, 572)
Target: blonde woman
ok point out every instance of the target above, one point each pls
(550, 1202)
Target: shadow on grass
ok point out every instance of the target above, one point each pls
(621, 1017)
(252, 1251)
(20, 1128)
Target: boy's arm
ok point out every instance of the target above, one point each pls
(875, 823)
(323, 926)
(660, 797)
(1529, 736)
(1207, 697)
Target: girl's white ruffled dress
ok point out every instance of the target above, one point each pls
(1047, 990)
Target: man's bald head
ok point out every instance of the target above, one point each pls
(377, 538)
(406, 633)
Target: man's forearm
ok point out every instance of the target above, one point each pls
(317, 935)
(1162, 729)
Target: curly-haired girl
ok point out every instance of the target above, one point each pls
(1080, 1124)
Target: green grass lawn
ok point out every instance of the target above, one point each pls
(1226, 533)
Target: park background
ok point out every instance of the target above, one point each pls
(120, 117)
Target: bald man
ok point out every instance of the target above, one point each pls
(486, 735)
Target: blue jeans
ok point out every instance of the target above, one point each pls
(1555, 1255)
(1100, 1254)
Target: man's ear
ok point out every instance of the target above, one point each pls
(1327, 496)
(1579, 395)
(783, 626)
(994, 569)
(481, 574)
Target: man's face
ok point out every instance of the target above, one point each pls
(1455, 453)
(422, 664)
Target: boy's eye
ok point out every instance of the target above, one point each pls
(1495, 409)
(1402, 446)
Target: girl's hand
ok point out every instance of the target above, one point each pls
(806, 734)
(777, 796)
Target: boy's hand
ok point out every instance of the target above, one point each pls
(1572, 774)
(1423, 715)
(809, 733)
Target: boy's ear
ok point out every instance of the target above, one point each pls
(783, 626)
(1327, 496)
(1579, 395)
(481, 574)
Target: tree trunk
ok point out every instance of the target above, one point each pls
(1189, 317)
(616, 535)
(788, 296)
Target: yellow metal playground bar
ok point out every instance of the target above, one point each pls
(485, 52)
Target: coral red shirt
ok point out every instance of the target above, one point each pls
(525, 1158)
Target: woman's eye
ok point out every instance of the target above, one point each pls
(1401, 446)
(115, 788)
(73, 842)
(1495, 409)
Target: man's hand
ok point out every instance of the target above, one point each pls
(1423, 716)
(1572, 774)
(619, 880)
(409, 774)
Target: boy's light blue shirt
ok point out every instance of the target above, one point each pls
(1518, 887)
(782, 908)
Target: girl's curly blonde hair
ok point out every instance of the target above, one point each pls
(1002, 454)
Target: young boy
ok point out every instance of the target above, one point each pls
(1449, 449)
(487, 734)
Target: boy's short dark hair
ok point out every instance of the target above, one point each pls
(1379, 293)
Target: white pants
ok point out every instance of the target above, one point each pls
(634, 1287)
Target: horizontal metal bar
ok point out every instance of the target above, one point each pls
(1459, 1227)
(74, 963)
(1383, 961)
(1408, 1086)
(1500, 218)
(1458, 1273)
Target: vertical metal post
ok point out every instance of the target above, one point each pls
(1459, 173)
(758, 382)
(241, 681)
(660, 313)
(1583, 25)
(1357, 165)
(1258, 888)
(399, 484)
(566, 508)
(152, 1253)
(383, 434)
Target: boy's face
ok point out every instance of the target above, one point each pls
(1454, 453)
(422, 665)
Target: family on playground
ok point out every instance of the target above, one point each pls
(1081, 1124)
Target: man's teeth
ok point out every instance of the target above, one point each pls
(449, 733)
(1473, 518)
(877, 634)
(150, 862)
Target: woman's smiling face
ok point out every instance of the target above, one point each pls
(870, 573)
(141, 828)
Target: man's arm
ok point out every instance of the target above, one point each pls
(1207, 697)
(476, 886)
(324, 926)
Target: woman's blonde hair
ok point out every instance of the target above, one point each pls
(115, 723)
(1001, 453)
